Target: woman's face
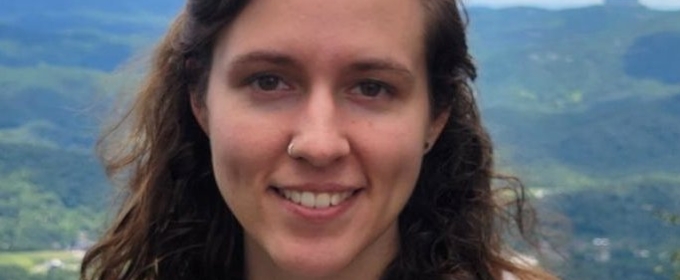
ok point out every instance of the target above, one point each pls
(345, 83)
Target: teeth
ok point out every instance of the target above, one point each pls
(307, 199)
(316, 200)
(336, 198)
(296, 197)
(323, 200)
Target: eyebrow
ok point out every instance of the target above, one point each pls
(281, 59)
(271, 57)
(374, 64)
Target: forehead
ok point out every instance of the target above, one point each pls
(322, 29)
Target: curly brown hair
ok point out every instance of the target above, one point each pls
(174, 224)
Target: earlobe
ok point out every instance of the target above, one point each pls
(198, 109)
(435, 130)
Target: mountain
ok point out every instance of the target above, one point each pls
(593, 90)
(567, 59)
(584, 104)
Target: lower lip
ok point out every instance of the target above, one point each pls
(317, 215)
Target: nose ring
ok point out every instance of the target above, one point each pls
(290, 149)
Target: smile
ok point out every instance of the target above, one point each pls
(316, 200)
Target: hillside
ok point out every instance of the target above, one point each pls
(591, 91)
(583, 104)
(549, 61)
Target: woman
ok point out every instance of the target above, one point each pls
(303, 139)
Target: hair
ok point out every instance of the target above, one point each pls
(174, 224)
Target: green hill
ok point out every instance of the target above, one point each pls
(585, 106)
(593, 92)
(548, 61)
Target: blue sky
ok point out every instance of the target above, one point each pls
(556, 4)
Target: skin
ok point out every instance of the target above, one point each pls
(345, 82)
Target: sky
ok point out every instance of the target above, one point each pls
(557, 4)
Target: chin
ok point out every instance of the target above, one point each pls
(312, 263)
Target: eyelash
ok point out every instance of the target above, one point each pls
(384, 88)
(253, 81)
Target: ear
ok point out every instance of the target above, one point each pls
(435, 129)
(199, 110)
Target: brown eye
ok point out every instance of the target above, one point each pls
(371, 89)
(268, 83)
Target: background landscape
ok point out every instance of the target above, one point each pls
(583, 104)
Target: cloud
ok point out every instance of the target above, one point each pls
(662, 4)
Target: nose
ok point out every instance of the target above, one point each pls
(319, 138)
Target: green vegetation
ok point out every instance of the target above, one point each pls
(534, 60)
(34, 219)
(16, 273)
(673, 265)
(68, 81)
(583, 104)
(40, 265)
(35, 261)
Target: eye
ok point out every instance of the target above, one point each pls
(371, 89)
(268, 82)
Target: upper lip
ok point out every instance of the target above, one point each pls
(318, 187)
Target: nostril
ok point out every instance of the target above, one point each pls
(318, 150)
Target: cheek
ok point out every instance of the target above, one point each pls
(393, 154)
(227, 155)
(243, 151)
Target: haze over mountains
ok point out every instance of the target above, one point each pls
(595, 88)
(584, 104)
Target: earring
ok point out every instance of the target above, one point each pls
(427, 145)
